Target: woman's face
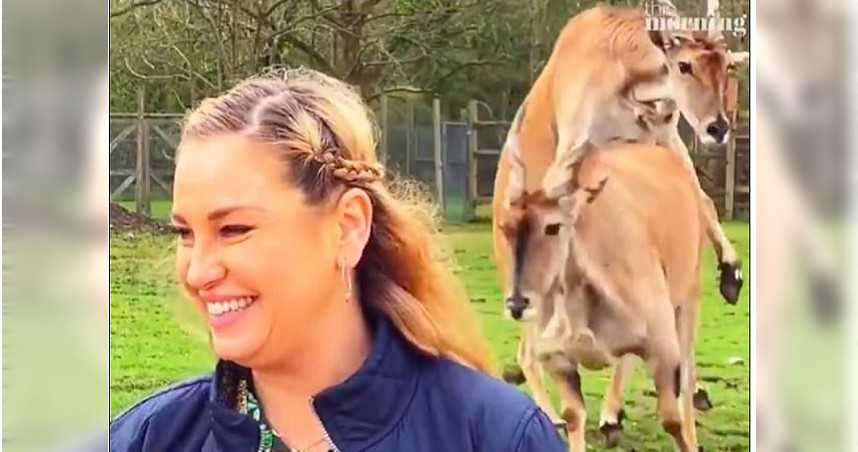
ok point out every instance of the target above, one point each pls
(254, 258)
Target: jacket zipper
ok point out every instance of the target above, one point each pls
(324, 430)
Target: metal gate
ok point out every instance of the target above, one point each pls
(458, 208)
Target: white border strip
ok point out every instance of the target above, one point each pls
(2, 254)
(753, 225)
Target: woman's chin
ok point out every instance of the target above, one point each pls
(235, 347)
(236, 334)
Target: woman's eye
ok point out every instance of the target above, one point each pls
(182, 232)
(234, 230)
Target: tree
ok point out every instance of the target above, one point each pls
(194, 46)
(185, 50)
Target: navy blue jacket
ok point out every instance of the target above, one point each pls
(398, 401)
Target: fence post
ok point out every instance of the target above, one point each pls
(383, 154)
(439, 163)
(142, 197)
(730, 168)
(473, 143)
(730, 179)
(730, 173)
(410, 141)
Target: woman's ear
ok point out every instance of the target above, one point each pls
(354, 215)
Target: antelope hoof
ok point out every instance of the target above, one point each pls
(611, 432)
(730, 281)
(701, 400)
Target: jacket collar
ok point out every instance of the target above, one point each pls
(356, 413)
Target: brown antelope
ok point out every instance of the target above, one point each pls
(608, 80)
(611, 273)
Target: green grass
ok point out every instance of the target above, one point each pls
(160, 208)
(155, 341)
(724, 333)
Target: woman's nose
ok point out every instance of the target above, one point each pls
(204, 270)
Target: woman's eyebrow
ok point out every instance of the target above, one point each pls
(218, 213)
(224, 211)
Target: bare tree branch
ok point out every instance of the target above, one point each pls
(413, 60)
(179, 99)
(400, 89)
(318, 8)
(369, 43)
(317, 58)
(149, 77)
(291, 26)
(367, 5)
(220, 42)
(385, 16)
(134, 5)
(466, 65)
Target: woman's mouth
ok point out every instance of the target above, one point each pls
(226, 312)
(218, 308)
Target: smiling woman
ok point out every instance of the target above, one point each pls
(335, 324)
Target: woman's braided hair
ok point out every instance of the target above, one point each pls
(331, 159)
(290, 110)
(349, 171)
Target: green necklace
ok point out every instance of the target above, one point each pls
(269, 440)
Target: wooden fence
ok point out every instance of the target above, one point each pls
(142, 148)
(724, 173)
(143, 145)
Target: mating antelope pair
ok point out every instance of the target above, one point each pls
(599, 220)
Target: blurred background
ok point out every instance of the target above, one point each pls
(55, 250)
(801, 156)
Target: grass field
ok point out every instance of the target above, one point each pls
(155, 339)
(160, 208)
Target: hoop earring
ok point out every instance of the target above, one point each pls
(346, 280)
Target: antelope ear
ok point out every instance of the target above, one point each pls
(662, 39)
(682, 38)
(558, 178)
(670, 40)
(515, 182)
(716, 37)
(571, 204)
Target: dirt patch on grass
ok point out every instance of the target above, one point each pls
(123, 220)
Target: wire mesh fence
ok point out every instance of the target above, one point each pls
(417, 141)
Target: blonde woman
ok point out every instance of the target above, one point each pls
(336, 326)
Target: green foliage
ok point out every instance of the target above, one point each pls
(185, 50)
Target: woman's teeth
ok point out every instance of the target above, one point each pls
(236, 304)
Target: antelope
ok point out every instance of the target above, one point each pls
(610, 81)
(609, 274)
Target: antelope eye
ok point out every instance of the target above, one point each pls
(552, 229)
(685, 67)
